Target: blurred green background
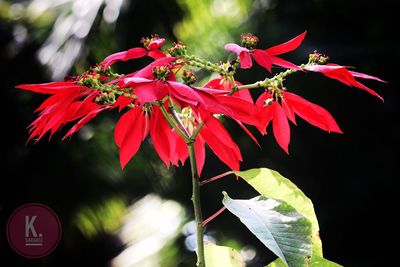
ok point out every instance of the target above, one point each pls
(135, 217)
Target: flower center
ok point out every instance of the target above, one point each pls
(161, 72)
(189, 77)
(249, 41)
(318, 58)
(178, 49)
(146, 41)
(147, 108)
(188, 120)
(89, 80)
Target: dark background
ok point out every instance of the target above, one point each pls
(351, 178)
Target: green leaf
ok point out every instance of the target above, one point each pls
(217, 256)
(276, 263)
(316, 261)
(271, 184)
(277, 225)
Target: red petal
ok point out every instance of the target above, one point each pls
(129, 133)
(312, 113)
(52, 100)
(149, 92)
(83, 121)
(289, 110)
(264, 114)
(213, 105)
(218, 83)
(225, 87)
(243, 53)
(366, 76)
(280, 126)
(56, 114)
(79, 109)
(247, 132)
(179, 152)
(213, 91)
(156, 54)
(245, 60)
(122, 102)
(200, 152)
(241, 110)
(226, 150)
(235, 48)
(156, 43)
(288, 46)
(263, 58)
(125, 123)
(53, 87)
(369, 90)
(159, 132)
(243, 94)
(185, 93)
(283, 63)
(341, 74)
(147, 72)
(132, 53)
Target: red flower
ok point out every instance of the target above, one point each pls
(345, 76)
(68, 102)
(157, 80)
(151, 49)
(281, 106)
(135, 125)
(216, 136)
(240, 104)
(223, 84)
(162, 84)
(265, 58)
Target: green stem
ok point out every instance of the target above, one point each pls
(268, 81)
(174, 125)
(197, 131)
(197, 206)
(178, 120)
(204, 64)
(175, 122)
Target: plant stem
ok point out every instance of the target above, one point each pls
(204, 64)
(178, 120)
(216, 177)
(212, 217)
(173, 124)
(197, 206)
(268, 81)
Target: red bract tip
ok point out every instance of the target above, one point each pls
(68, 102)
(289, 106)
(345, 76)
(268, 57)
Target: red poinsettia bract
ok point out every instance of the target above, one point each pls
(214, 134)
(151, 48)
(281, 109)
(134, 126)
(265, 58)
(342, 74)
(68, 102)
(241, 103)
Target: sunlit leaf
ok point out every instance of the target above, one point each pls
(277, 225)
(271, 184)
(316, 261)
(217, 256)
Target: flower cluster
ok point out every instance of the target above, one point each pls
(164, 100)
